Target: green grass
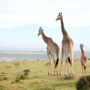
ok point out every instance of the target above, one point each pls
(38, 78)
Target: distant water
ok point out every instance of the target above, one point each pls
(14, 56)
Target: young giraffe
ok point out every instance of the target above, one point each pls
(84, 60)
(53, 50)
(67, 46)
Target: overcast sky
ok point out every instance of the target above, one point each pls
(21, 19)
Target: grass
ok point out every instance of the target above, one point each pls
(38, 78)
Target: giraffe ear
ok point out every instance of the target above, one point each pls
(60, 13)
(83, 45)
(40, 28)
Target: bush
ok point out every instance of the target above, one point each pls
(83, 83)
(22, 75)
(3, 78)
(17, 80)
(26, 72)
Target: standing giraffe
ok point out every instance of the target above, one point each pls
(53, 50)
(67, 46)
(84, 60)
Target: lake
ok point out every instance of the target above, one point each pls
(32, 55)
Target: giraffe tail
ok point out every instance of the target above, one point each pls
(84, 67)
(69, 60)
(56, 63)
(58, 52)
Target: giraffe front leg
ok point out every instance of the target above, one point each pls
(68, 68)
(72, 66)
(85, 70)
(65, 71)
(62, 61)
(50, 65)
(49, 69)
(71, 54)
(82, 71)
(61, 67)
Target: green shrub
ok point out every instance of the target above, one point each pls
(3, 78)
(26, 72)
(83, 83)
(23, 77)
(17, 80)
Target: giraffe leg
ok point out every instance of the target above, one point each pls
(50, 65)
(61, 66)
(62, 61)
(49, 70)
(85, 71)
(68, 68)
(82, 71)
(54, 70)
(72, 67)
(71, 54)
(66, 62)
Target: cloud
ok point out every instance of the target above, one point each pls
(21, 12)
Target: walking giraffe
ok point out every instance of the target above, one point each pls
(84, 60)
(53, 50)
(67, 46)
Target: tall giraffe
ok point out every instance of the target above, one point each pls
(67, 46)
(53, 50)
(84, 60)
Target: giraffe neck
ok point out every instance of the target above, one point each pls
(65, 34)
(44, 38)
(82, 51)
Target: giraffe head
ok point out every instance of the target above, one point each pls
(40, 31)
(59, 16)
(81, 45)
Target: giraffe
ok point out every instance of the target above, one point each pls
(67, 47)
(53, 50)
(84, 60)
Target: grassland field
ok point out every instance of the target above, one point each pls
(38, 78)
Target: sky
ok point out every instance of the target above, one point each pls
(20, 21)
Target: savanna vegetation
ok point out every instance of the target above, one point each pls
(33, 75)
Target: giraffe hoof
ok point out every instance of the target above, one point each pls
(48, 73)
(51, 74)
(59, 74)
(54, 74)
